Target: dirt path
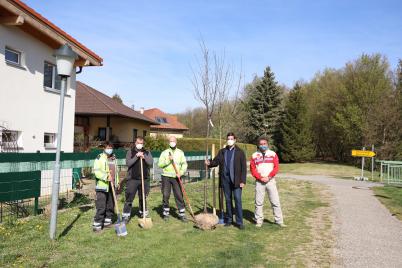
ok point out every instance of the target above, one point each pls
(367, 234)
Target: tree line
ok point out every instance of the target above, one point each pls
(325, 118)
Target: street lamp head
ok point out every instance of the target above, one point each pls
(65, 58)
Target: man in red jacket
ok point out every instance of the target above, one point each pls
(264, 165)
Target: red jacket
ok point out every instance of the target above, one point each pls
(264, 165)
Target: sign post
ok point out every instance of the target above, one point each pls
(363, 154)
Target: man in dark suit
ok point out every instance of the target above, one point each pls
(232, 176)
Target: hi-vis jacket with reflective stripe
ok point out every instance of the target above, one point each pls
(102, 172)
(178, 158)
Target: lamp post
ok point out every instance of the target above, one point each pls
(65, 58)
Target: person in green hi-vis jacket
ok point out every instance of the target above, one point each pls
(170, 178)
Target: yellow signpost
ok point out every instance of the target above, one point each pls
(361, 153)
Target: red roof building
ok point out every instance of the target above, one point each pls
(168, 124)
(99, 118)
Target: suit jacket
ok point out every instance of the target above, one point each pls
(239, 163)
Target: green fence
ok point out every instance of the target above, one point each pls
(391, 172)
(26, 178)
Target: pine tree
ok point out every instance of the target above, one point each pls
(263, 107)
(295, 130)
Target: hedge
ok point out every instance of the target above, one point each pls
(194, 144)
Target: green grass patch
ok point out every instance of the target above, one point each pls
(391, 197)
(169, 244)
(322, 168)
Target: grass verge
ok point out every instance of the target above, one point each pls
(335, 170)
(391, 197)
(177, 244)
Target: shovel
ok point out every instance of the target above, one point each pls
(145, 222)
(120, 226)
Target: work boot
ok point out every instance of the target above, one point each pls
(96, 227)
(183, 218)
(107, 223)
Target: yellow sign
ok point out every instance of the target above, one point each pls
(361, 153)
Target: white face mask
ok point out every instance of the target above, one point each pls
(172, 144)
(109, 151)
(231, 142)
(139, 146)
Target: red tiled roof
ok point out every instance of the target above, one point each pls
(21, 5)
(89, 101)
(172, 121)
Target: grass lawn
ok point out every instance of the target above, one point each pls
(177, 244)
(336, 170)
(391, 197)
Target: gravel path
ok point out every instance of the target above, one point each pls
(367, 234)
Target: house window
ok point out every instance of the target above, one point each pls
(102, 133)
(135, 134)
(161, 120)
(49, 140)
(13, 56)
(50, 77)
(10, 139)
(144, 133)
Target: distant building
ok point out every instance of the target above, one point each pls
(168, 124)
(99, 118)
(29, 84)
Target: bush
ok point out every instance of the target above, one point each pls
(160, 143)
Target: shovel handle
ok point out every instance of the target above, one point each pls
(142, 187)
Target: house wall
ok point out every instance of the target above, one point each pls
(168, 132)
(25, 105)
(121, 127)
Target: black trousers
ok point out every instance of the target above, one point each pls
(132, 187)
(104, 206)
(167, 185)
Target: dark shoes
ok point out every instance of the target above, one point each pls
(241, 227)
(228, 224)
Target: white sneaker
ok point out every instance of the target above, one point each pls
(258, 225)
(282, 225)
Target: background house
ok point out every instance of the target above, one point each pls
(168, 124)
(98, 118)
(29, 83)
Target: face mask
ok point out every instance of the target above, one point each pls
(108, 151)
(263, 147)
(139, 146)
(231, 142)
(172, 144)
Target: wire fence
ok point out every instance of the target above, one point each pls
(77, 183)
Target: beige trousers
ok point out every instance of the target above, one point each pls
(273, 196)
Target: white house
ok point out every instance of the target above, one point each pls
(29, 84)
(30, 87)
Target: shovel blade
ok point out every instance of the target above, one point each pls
(121, 229)
(145, 223)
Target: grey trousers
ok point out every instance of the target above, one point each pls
(273, 196)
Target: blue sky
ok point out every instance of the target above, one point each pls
(148, 46)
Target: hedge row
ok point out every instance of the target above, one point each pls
(194, 144)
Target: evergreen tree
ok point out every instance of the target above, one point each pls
(117, 98)
(296, 143)
(263, 106)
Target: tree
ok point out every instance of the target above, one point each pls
(117, 98)
(263, 106)
(296, 143)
